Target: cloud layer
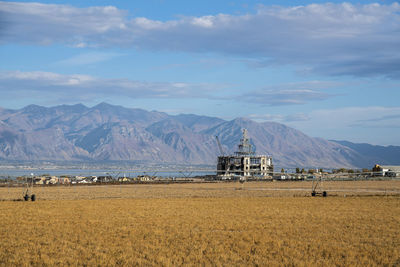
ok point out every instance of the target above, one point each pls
(374, 117)
(370, 124)
(76, 87)
(333, 39)
(289, 93)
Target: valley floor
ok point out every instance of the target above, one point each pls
(258, 223)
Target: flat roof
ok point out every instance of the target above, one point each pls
(392, 168)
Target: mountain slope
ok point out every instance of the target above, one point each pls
(372, 154)
(107, 132)
(187, 144)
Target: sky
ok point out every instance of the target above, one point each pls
(329, 69)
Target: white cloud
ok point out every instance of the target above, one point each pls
(377, 117)
(88, 58)
(43, 78)
(334, 39)
(76, 87)
(361, 117)
(206, 22)
(279, 117)
(297, 117)
(266, 117)
(370, 124)
(289, 93)
(284, 97)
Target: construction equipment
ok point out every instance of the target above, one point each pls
(29, 190)
(316, 188)
(221, 151)
(245, 148)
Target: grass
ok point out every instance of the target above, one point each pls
(207, 190)
(201, 224)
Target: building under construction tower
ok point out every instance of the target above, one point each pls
(244, 162)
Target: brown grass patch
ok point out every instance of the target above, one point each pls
(223, 190)
(198, 225)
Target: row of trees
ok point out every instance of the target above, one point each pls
(343, 170)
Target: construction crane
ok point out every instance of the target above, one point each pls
(220, 146)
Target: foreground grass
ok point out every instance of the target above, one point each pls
(239, 230)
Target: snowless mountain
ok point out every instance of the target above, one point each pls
(113, 133)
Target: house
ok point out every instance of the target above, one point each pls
(51, 180)
(123, 179)
(104, 179)
(143, 178)
(39, 180)
(388, 171)
(64, 180)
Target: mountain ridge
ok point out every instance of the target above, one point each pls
(108, 132)
(373, 154)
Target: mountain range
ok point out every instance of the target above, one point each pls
(114, 133)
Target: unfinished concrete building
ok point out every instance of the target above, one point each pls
(244, 162)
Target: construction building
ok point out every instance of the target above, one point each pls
(244, 162)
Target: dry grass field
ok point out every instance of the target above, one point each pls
(229, 224)
(192, 190)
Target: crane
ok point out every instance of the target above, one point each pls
(220, 146)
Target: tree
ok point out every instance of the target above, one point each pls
(377, 168)
(297, 170)
(283, 170)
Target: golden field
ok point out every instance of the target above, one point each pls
(207, 190)
(229, 224)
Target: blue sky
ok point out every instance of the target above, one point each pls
(329, 69)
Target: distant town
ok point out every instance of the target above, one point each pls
(243, 165)
(377, 172)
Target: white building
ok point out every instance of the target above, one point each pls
(385, 170)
